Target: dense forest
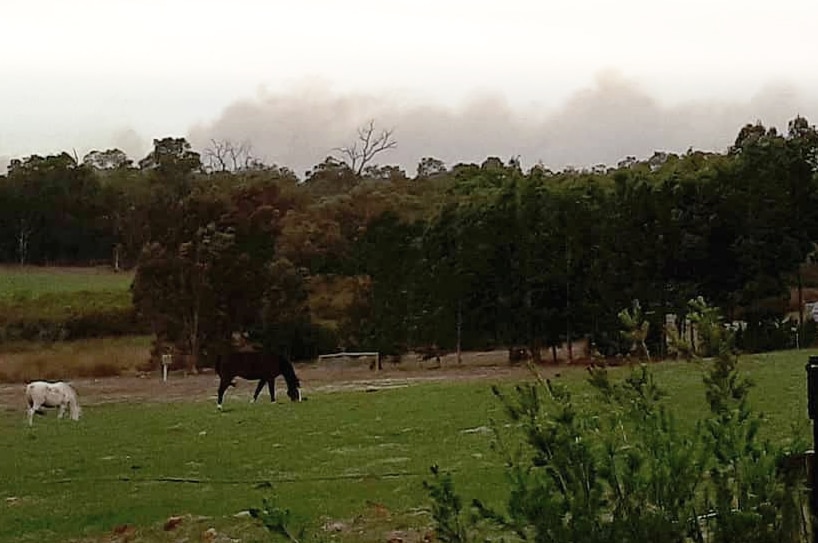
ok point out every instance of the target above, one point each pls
(359, 255)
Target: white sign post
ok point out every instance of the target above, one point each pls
(167, 360)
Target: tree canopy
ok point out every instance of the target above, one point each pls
(475, 255)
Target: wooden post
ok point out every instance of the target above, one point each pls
(167, 360)
(812, 410)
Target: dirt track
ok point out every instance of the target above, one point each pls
(327, 377)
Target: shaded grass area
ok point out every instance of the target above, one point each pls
(339, 457)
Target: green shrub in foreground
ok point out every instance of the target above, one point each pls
(628, 472)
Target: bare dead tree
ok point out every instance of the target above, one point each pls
(226, 155)
(364, 149)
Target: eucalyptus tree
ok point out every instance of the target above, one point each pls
(584, 293)
(527, 266)
(464, 275)
(774, 194)
(211, 275)
(330, 177)
(126, 196)
(169, 169)
(172, 159)
(110, 159)
(54, 211)
(455, 264)
(429, 167)
(388, 254)
(495, 262)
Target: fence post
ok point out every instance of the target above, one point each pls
(812, 409)
(167, 360)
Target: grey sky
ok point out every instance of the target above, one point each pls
(569, 83)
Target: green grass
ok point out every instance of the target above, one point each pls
(779, 391)
(327, 457)
(30, 283)
(330, 458)
(38, 294)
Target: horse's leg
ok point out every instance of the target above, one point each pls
(271, 385)
(259, 387)
(223, 384)
(32, 408)
(61, 412)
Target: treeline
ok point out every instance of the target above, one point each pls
(356, 255)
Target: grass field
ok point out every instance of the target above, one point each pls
(32, 297)
(348, 462)
(29, 282)
(332, 457)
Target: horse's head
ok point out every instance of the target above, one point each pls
(293, 383)
(294, 393)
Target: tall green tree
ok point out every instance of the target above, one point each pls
(772, 201)
(208, 278)
(53, 211)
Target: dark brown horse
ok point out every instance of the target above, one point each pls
(257, 365)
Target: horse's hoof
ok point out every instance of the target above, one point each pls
(219, 407)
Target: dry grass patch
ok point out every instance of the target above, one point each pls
(65, 360)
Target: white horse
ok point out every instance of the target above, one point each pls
(41, 394)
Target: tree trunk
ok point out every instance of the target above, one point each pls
(459, 329)
(800, 300)
(193, 342)
(22, 241)
(536, 351)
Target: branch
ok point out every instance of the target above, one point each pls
(225, 155)
(370, 143)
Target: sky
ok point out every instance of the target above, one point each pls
(562, 82)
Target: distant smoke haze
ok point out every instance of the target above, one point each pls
(611, 119)
(603, 124)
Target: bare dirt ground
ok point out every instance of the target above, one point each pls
(325, 377)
